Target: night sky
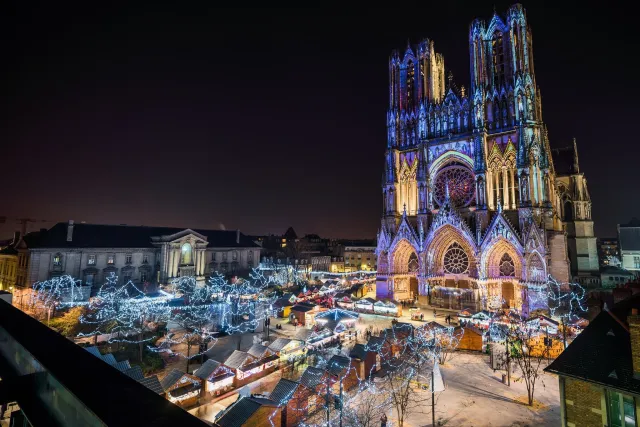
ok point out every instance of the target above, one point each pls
(204, 118)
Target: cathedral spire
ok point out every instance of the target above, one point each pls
(576, 165)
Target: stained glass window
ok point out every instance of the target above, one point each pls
(507, 269)
(456, 260)
(460, 182)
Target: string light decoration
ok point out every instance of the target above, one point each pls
(59, 291)
(566, 301)
(345, 394)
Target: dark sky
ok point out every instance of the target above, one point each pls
(199, 117)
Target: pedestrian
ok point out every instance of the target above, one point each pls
(421, 317)
(383, 420)
(434, 313)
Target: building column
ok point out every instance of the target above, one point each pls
(489, 182)
(513, 189)
(505, 189)
(174, 263)
(498, 188)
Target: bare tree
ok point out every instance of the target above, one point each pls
(365, 407)
(526, 352)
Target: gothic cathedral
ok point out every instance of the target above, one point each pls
(476, 213)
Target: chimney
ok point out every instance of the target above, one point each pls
(70, 231)
(238, 236)
(634, 332)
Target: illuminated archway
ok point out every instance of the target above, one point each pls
(450, 243)
(494, 258)
(400, 257)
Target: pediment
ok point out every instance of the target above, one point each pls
(183, 236)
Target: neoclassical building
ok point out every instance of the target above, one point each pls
(475, 214)
(156, 255)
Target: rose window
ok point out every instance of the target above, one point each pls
(507, 269)
(456, 260)
(461, 185)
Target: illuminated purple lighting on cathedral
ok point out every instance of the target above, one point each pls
(470, 189)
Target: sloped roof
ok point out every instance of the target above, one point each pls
(122, 366)
(258, 351)
(283, 391)
(602, 352)
(282, 302)
(94, 350)
(358, 352)
(127, 236)
(236, 359)
(171, 378)
(301, 308)
(279, 344)
(303, 334)
(135, 372)
(207, 369)
(240, 412)
(152, 383)
(338, 364)
(311, 377)
(375, 343)
(110, 359)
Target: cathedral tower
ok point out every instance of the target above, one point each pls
(470, 214)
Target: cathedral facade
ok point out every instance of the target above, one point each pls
(475, 214)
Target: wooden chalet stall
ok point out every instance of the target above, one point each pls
(249, 366)
(344, 300)
(287, 348)
(299, 399)
(249, 411)
(472, 338)
(387, 308)
(342, 370)
(543, 323)
(216, 377)
(304, 313)
(181, 388)
(366, 360)
(365, 305)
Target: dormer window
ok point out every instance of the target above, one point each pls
(57, 260)
(128, 259)
(91, 260)
(111, 259)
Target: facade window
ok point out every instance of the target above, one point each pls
(213, 256)
(57, 260)
(127, 277)
(498, 59)
(89, 280)
(111, 259)
(234, 255)
(186, 255)
(224, 256)
(91, 260)
(636, 262)
(145, 259)
(621, 411)
(143, 277)
(128, 259)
